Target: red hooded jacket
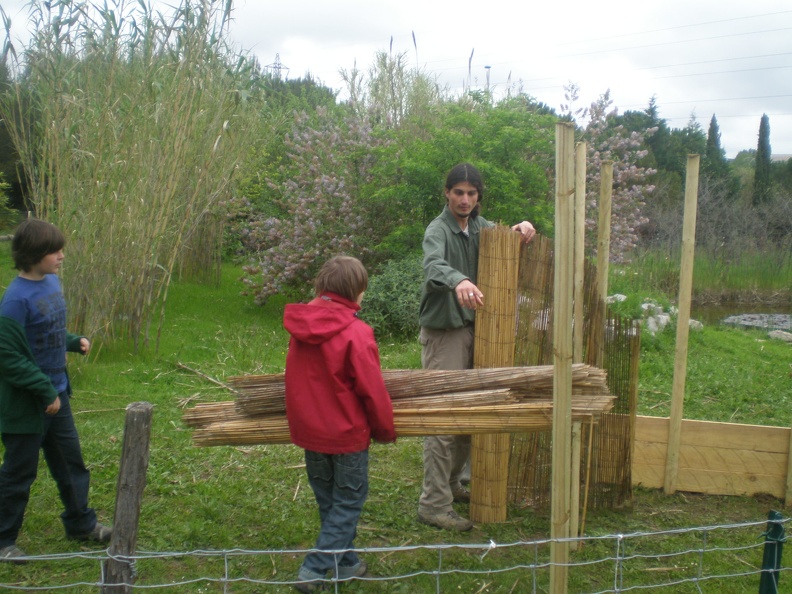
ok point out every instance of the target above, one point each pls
(336, 399)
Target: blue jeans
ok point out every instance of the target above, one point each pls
(340, 485)
(63, 455)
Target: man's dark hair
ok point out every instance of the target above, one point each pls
(342, 275)
(33, 240)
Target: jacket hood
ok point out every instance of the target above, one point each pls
(321, 319)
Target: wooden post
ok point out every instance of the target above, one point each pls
(683, 324)
(498, 273)
(604, 228)
(562, 355)
(131, 482)
(578, 324)
(580, 248)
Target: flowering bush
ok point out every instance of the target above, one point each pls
(321, 204)
(609, 141)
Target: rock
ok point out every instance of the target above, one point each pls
(617, 298)
(655, 324)
(781, 335)
(775, 321)
(695, 325)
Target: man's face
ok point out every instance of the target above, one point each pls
(462, 198)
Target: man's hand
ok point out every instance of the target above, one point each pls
(526, 231)
(469, 295)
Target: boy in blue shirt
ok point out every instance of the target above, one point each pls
(35, 391)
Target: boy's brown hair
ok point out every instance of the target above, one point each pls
(34, 239)
(342, 275)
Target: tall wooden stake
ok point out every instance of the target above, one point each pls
(580, 249)
(562, 355)
(604, 229)
(683, 324)
(577, 325)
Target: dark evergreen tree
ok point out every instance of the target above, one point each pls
(714, 163)
(761, 187)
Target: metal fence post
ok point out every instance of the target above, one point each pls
(771, 560)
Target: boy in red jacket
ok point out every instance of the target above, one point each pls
(336, 402)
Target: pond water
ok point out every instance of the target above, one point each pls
(775, 317)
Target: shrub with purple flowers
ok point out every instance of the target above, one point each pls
(321, 197)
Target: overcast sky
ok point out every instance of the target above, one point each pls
(698, 58)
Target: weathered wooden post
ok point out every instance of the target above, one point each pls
(129, 493)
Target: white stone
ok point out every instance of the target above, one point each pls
(781, 335)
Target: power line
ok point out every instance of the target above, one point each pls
(676, 27)
(721, 72)
(674, 42)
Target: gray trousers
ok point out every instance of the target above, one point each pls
(444, 456)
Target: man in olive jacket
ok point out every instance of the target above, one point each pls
(449, 301)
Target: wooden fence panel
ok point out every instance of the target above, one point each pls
(714, 458)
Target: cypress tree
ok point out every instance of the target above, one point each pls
(761, 187)
(714, 156)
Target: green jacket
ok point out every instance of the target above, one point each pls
(25, 390)
(449, 258)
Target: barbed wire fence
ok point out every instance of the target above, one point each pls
(676, 560)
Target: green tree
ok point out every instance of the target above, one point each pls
(761, 185)
(8, 154)
(714, 161)
(7, 214)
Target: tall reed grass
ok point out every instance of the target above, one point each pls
(130, 125)
(748, 276)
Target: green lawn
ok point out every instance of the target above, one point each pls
(257, 498)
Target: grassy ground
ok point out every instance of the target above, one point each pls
(257, 498)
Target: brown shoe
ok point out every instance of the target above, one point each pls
(446, 520)
(13, 554)
(100, 533)
(461, 494)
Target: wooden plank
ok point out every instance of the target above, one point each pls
(720, 435)
(719, 459)
(714, 458)
(711, 483)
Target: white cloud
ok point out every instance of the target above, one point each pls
(724, 57)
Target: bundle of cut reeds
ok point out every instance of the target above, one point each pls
(425, 402)
(265, 394)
